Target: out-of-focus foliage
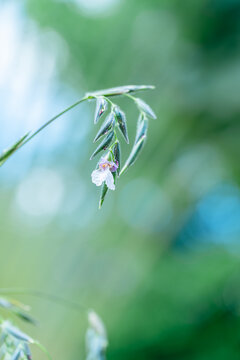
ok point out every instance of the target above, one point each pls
(160, 262)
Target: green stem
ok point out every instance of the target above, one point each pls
(130, 97)
(134, 99)
(53, 119)
(43, 295)
(109, 101)
(25, 139)
(41, 347)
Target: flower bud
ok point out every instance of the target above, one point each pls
(134, 154)
(145, 108)
(104, 144)
(121, 118)
(141, 129)
(105, 126)
(101, 107)
(117, 155)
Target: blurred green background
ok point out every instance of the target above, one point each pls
(160, 262)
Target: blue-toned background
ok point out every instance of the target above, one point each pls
(161, 261)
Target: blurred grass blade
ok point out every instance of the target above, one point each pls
(105, 126)
(19, 305)
(25, 317)
(96, 338)
(15, 332)
(5, 304)
(17, 310)
(44, 350)
(27, 351)
(101, 107)
(145, 108)
(121, 118)
(134, 154)
(117, 155)
(104, 144)
(8, 152)
(17, 354)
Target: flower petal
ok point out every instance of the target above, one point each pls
(109, 180)
(98, 177)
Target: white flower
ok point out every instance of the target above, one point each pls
(104, 174)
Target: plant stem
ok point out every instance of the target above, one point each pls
(50, 297)
(41, 347)
(53, 119)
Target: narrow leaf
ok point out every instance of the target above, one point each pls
(134, 154)
(120, 90)
(25, 317)
(117, 155)
(108, 123)
(17, 354)
(101, 107)
(145, 108)
(121, 118)
(8, 152)
(104, 191)
(104, 144)
(12, 330)
(5, 303)
(27, 351)
(16, 309)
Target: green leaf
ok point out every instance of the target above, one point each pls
(145, 108)
(117, 155)
(104, 144)
(8, 152)
(101, 107)
(104, 191)
(108, 123)
(121, 118)
(134, 154)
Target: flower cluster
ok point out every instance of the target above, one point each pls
(109, 166)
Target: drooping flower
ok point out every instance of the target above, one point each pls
(104, 173)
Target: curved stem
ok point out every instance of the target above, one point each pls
(109, 101)
(50, 297)
(26, 138)
(53, 119)
(130, 97)
(43, 349)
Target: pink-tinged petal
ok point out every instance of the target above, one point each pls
(98, 177)
(102, 161)
(114, 166)
(109, 180)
